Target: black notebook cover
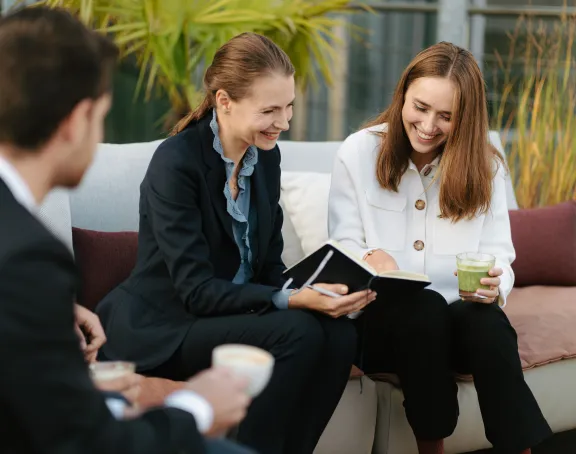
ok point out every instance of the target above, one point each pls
(343, 268)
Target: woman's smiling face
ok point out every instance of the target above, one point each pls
(427, 113)
(259, 118)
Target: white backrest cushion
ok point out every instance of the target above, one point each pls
(316, 157)
(308, 156)
(107, 200)
(55, 215)
(305, 201)
(292, 251)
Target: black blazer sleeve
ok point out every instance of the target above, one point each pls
(273, 266)
(44, 380)
(172, 191)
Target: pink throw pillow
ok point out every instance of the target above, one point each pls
(545, 243)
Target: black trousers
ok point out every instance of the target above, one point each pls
(225, 447)
(424, 340)
(313, 356)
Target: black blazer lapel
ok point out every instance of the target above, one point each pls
(216, 175)
(261, 200)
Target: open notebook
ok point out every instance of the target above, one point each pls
(333, 264)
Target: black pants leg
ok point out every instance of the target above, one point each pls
(326, 384)
(300, 342)
(225, 447)
(411, 337)
(486, 346)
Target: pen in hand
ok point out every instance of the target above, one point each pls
(324, 291)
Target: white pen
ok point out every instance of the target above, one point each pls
(323, 291)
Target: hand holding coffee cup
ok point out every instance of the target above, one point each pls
(117, 376)
(478, 278)
(246, 361)
(226, 394)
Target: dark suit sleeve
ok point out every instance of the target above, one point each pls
(176, 221)
(44, 381)
(273, 266)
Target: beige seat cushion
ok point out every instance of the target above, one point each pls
(553, 388)
(351, 429)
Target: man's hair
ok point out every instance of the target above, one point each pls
(49, 62)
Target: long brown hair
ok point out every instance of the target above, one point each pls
(467, 163)
(235, 67)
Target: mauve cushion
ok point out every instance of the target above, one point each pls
(545, 243)
(104, 259)
(544, 319)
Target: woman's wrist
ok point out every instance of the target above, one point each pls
(370, 252)
(380, 260)
(293, 300)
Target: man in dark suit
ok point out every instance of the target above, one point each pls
(55, 78)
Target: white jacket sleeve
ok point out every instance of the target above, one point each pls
(344, 217)
(496, 237)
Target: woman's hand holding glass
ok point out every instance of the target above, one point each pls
(490, 295)
(494, 282)
(334, 307)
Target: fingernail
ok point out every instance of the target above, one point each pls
(343, 289)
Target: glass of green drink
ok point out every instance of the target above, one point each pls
(473, 266)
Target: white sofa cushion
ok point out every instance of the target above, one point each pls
(351, 429)
(292, 248)
(308, 156)
(55, 215)
(305, 200)
(108, 198)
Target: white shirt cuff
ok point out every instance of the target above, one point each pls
(194, 404)
(501, 298)
(116, 407)
(354, 315)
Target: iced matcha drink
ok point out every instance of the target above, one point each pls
(472, 267)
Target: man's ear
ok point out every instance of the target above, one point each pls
(76, 125)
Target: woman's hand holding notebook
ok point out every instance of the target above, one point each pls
(331, 263)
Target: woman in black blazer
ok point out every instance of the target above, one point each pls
(209, 269)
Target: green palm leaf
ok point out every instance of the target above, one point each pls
(174, 39)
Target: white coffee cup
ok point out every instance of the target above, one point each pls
(246, 361)
(110, 370)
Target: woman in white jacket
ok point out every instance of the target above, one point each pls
(417, 186)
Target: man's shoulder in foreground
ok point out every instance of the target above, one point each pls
(21, 231)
